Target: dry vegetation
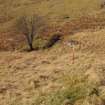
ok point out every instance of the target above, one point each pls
(50, 76)
(57, 12)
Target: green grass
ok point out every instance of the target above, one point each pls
(69, 94)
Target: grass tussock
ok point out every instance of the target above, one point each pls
(75, 89)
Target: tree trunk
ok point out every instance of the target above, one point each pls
(31, 46)
(30, 42)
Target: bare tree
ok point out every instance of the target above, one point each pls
(30, 26)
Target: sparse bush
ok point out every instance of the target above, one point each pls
(39, 43)
(29, 26)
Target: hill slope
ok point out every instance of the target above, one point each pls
(55, 9)
(29, 78)
(58, 13)
(60, 75)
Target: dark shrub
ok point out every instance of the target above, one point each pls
(53, 40)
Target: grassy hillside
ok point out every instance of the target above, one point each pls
(59, 75)
(57, 13)
(57, 10)
(50, 77)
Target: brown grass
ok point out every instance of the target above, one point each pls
(48, 77)
(27, 76)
